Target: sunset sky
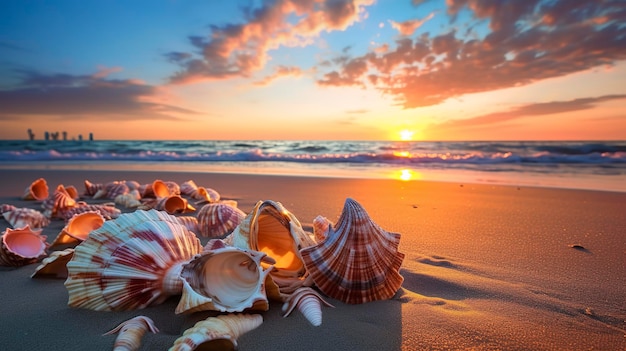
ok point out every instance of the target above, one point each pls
(313, 69)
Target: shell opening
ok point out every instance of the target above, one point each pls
(230, 278)
(274, 238)
(25, 244)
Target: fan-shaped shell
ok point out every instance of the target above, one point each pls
(130, 332)
(270, 228)
(19, 217)
(130, 263)
(358, 261)
(309, 303)
(55, 265)
(217, 333)
(218, 219)
(226, 279)
(22, 246)
(37, 190)
(78, 228)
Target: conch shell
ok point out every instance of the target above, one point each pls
(22, 246)
(225, 279)
(309, 302)
(218, 219)
(358, 261)
(78, 228)
(37, 190)
(19, 217)
(217, 333)
(130, 263)
(130, 332)
(54, 265)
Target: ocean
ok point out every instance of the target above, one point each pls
(597, 165)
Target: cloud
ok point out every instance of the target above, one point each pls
(410, 26)
(280, 71)
(528, 41)
(239, 50)
(83, 96)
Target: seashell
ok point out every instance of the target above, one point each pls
(72, 192)
(309, 302)
(173, 204)
(217, 333)
(92, 188)
(22, 246)
(164, 188)
(129, 200)
(20, 217)
(54, 265)
(358, 261)
(188, 187)
(190, 222)
(226, 279)
(60, 201)
(132, 185)
(6, 208)
(130, 263)
(111, 190)
(218, 219)
(204, 195)
(270, 228)
(108, 210)
(130, 332)
(320, 228)
(78, 228)
(37, 190)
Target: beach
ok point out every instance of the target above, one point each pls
(487, 267)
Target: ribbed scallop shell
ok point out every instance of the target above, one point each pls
(37, 190)
(58, 202)
(226, 279)
(218, 219)
(188, 187)
(217, 333)
(271, 229)
(108, 211)
(309, 303)
(358, 261)
(55, 265)
(78, 228)
(130, 263)
(130, 333)
(22, 246)
(20, 217)
(112, 190)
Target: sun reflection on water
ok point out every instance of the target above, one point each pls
(406, 175)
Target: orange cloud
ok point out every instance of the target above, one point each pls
(410, 26)
(280, 71)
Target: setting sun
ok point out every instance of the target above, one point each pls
(406, 135)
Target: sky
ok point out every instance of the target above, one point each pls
(314, 69)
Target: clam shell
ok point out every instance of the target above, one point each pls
(218, 219)
(22, 246)
(55, 265)
(130, 263)
(78, 228)
(226, 279)
(271, 229)
(309, 303)
(217, 333)
(20, 217)
(37, 190)
(130, 333)
(358, 261)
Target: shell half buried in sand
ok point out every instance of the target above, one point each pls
(22, 246)
(358, 261)
(217, 333)
(130, 263)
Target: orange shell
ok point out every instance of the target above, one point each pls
(78, 228)
(37, 190)
(22, 246)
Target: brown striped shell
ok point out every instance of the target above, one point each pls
(92, 188)
(22, 246)
(19, 217)
(358, 261)
(112, 190)
(130, 263)
(108, 211)
(218, 219)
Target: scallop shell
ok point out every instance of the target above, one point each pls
(129, 200)
(112, 190)
(226, 279)
(78, 228)
(309, 302)
(190, 222)
(55, 265)
(60, 201)
(22, 246)
(130, 333)
(218, 219)
(217, 333)
(358, 261)
(108, 211)
(20, 217)
(37, 190)
(188, 187)
(173, 204)
(130, 263)
(270, 228)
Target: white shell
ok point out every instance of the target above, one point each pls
(19, 217)
(130, 332)
(217, 333)
(309, 302)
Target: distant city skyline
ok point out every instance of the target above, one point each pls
(313, 69)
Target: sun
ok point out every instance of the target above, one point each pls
(406, 135)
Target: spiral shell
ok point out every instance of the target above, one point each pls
(320, 228)
(92, 188)
(22, 246)
(309, 302)
(130, 333)
(59, 202)
(130, 263)
(20, 217)
(37, 190)
(54, 265)
(217, 333)
(358, 261)
(173, 204)
(218, 219)
(129, 200)
(78, 228)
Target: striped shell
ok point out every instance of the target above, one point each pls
(217, 333)
(55, 265)
(226, 279)
(320, 228)
(108, 211)
(188, 187)
(112, 190)
(92, 188)
(218, 219)
(20, 217)
(37, 190)
(22, 246)
(60, 201)
(130, 263)
(130, 333)
(358, 261)
(78, 228)
(309, 303)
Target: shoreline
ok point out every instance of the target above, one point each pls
(486, 267)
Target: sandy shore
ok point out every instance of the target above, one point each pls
(486, 268)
